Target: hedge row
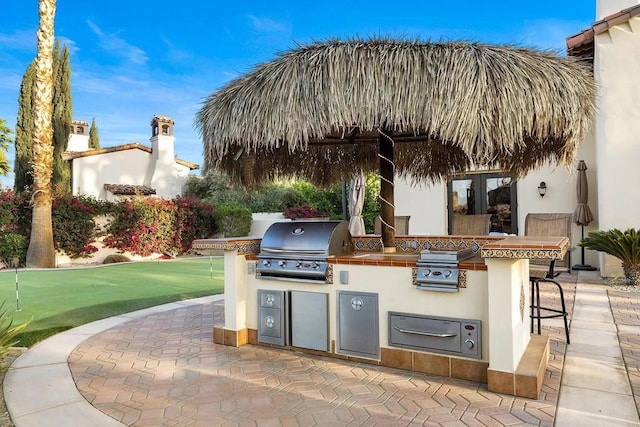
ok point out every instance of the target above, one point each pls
(138, 225)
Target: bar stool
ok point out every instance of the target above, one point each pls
(549, 313)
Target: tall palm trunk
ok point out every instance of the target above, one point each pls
(41, 252)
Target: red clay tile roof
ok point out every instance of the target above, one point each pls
(581, 44)
(70, 155)
(129, 190)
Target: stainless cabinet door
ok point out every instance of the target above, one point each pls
(310, 320)
(358, 329)
(272, 317)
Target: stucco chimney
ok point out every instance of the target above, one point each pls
(162, 139)
(79, 137)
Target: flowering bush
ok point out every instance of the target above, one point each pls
(74, 227)
(194, 220)
(147, 225)
(296, 212)
(140, 225)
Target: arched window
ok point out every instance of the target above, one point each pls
(165, 129)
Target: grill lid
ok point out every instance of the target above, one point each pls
(317, 239)
(439, 256)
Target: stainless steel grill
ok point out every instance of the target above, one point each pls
(299, 250)
(438, 270)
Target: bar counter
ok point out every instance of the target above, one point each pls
(493, 288)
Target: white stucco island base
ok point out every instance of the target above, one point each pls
(493, 290)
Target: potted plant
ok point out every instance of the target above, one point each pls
(624, 245)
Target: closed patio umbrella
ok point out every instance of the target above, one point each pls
(356, 204)
(582, 216)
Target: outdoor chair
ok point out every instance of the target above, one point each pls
(471, 225)
(543, 272)
(401, 224)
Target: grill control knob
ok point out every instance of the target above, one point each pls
(426, 273)
(282, 264)
(266, 263)
(446, 273)
(469, 343)
(316, 266)
(298, 264)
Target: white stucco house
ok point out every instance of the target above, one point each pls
(611, 151)
(108, 173)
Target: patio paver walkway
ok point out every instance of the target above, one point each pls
(160, 367)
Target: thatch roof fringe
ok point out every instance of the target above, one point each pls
(485, 103)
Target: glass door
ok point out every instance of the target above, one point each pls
(487, 193)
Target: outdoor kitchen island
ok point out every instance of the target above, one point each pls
(371, 308)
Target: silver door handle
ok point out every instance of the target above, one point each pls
(426, 334)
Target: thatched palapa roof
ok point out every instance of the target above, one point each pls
(448, 106)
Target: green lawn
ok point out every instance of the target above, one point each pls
(61, 299)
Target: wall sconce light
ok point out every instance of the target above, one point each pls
(542, 189)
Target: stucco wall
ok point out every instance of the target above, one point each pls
(605, 8)
(132, 167)
(121, 167)
(617, 129)
(427, 205)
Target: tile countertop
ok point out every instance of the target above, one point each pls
(531, 247)
(513, 247)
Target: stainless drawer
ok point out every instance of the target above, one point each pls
(435, 334)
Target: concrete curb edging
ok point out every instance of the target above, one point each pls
(39, 388)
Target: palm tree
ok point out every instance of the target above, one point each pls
(624, 245)
(41, 252)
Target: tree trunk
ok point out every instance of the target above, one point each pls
(41, 251)
(631, 273)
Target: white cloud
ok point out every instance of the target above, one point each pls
(175, 55)
(119, 46)
(267, 25)
(19, 40)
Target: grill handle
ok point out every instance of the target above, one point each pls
(297, 251)
(426, 334)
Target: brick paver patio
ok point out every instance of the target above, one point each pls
(164, 369)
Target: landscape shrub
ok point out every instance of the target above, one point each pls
(233, 220)
(74, 226)
(8, 332)
(274, 198)
(115, 258)
(298, 212)
(144, 226)
(13, 245)
(215, 189)
(194, 220)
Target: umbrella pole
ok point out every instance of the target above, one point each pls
(583, 266)
(387, 208)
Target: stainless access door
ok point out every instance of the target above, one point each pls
(358, 329)
(310, 320)
(272, 317)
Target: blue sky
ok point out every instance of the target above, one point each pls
(133, 59)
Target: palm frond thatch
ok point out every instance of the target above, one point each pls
(316, 111)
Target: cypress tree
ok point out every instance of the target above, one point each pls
(24, 129)
(61, 120)
(94, 138)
